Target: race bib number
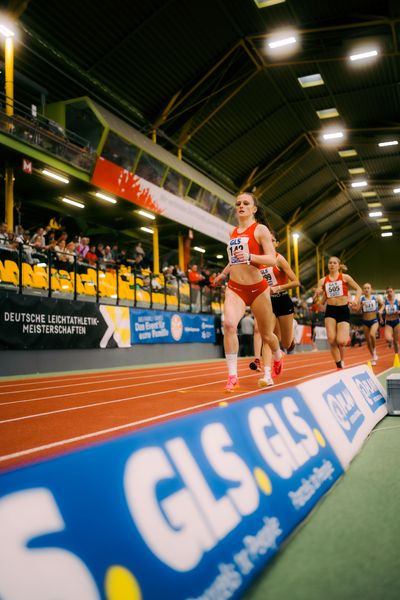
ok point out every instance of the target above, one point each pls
(334, 289)
(369, 306)
(268, 274)
(391, 309)
(239, 243)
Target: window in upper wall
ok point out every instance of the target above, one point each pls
(80, 119)
(150, 169)
(204, 199)
(223, 210)
(176, 183)
(119, 151)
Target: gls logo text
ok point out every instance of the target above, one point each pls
(344, 408)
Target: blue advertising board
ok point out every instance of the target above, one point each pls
(163, 327)
(190, 509)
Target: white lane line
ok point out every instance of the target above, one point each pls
(121, 387)
(158, 393)
(133, 373)
(143, 421)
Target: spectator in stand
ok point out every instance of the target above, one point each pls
(123, 258)
(195, 278)
(137, 264)
(3, 234)
(179, 274)
(108, 255)
(115, 253)
(38, 240)
(100, 253)
(139, 249)
(70, 254)
(83, 247)
(91, 256)
(60, 250)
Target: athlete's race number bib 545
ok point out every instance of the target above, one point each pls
(239, 243)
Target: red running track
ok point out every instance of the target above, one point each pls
(44, 416)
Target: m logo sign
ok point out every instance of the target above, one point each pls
(27, 166)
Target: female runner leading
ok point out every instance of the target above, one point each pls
(335, 287)
(250, 246)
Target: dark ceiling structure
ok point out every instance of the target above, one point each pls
(202, 77)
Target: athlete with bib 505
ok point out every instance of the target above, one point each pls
(335, 288)
(250, 246)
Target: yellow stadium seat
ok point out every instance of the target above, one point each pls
(10, 272)
(27, 275)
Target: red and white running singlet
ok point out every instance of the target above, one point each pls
(335, 288)
(274, 275)
(243, 241)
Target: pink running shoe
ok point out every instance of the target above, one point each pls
(277, 367)
(232, 383)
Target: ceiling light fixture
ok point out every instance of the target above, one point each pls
(106, 198)
(73, 202)
(357, 170)
(391, 143)
(146, 214)
(369, 194)
(267, 3)
(347, 153)
(327, 113)
(363, 55)
(282, 42)
(382, 220)
(219, 256)
(376, 213)
(386, 227)
(198, 249)
(6, 31)
(357, 184)
(374, 204)
(335, 135)
(387, 234)
(55, 176)
(396, 191)
(147, 230)
(311, 80)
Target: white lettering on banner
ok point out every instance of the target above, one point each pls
(224, 585)
(280, 451)
(344, 408)
(174, 528)
(228, 465)
(43, 573)
(311, 485)
(43, 319)
(190, 521)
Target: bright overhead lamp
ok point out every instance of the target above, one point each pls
(386, 227)
(382, 220)
(396, 191)
(363, 55)
(283, 41)
(146, 214)
(368, 194)
(55, 176)
(73, 202)
(266, 3)
(296, 236)
(357, 184)
(357, 170)
(334, 135)
(147, 230)
(391, 143)
(327, 113)
(106, 198)
(311, 80)
(374, 204)
(347, 153)
(387, 234)
(198, 249)
(219, 256)
(375, 213)
(6, 31)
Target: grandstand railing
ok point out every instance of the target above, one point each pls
(63, 275)
(49, 136)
